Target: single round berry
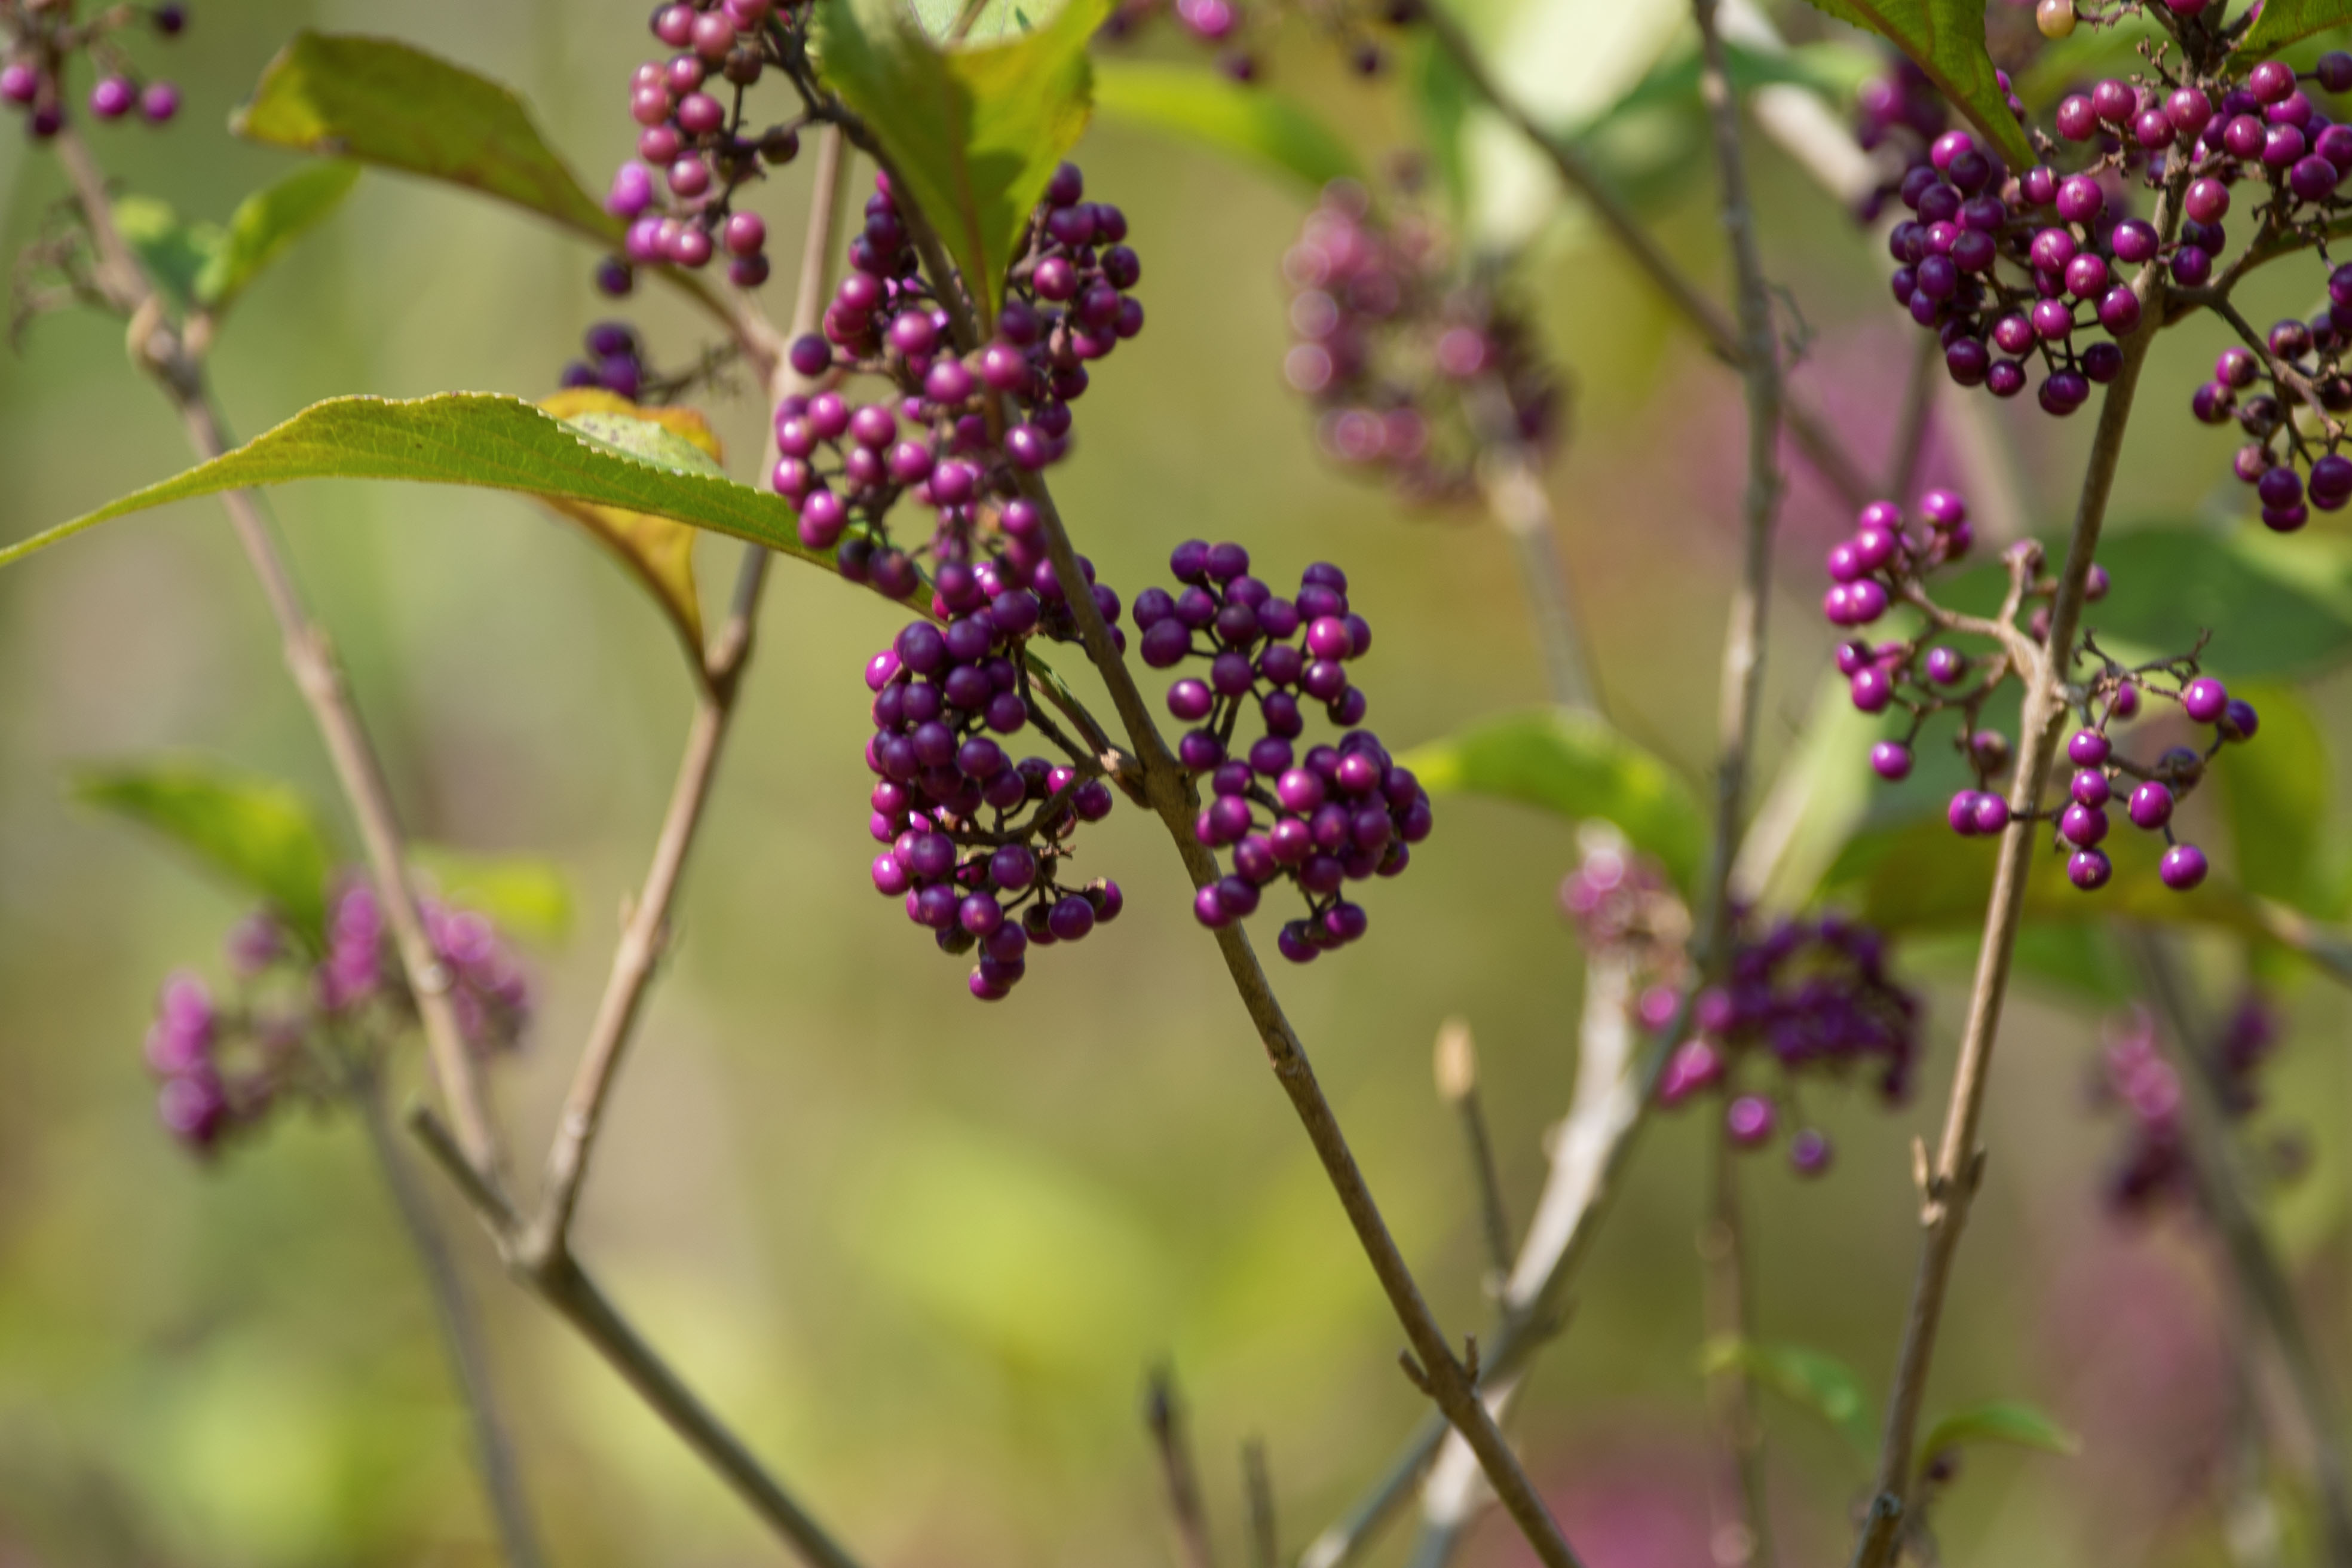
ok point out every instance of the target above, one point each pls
(2182, 868)
(1891, 760)
(1748, 1121)
(2089, 870)
(2151, 806)
(2205, 699)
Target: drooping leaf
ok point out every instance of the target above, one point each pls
(1947, 39)
(2283, 22)
(2277, 790)
(528, 897)
(1577, 765)
(1821, 1383)
(389, 103)
(258, 833)
(657, 550)
(1256, 124)
(2007, 1421)
(266, 223)
(975, 131)
(175, 254)
(480, 440)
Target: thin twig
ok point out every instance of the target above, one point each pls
(461, 1335)
(1918, 417)
(1458, 1084)
(1958, 1165)
(1257, 1488)
(1510, 478)
(644, 938)
(2261, 1278)
(575, 1298)
(1728, 340)
(1164, 1414)
(1723, 1254)
(159, 349)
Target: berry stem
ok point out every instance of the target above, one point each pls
(2261, 1278)
(1958, 1163)
(160, 349)
(1457, 1085)
(461, 1333)
(1725, 337)
(645, 935)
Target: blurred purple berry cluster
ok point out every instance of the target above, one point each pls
(1414, 365)
(1333, 814)
(1227, 26)
(39, 37)
(2134, 1076)
(302, 1019)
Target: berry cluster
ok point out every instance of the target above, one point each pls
(298, 1014)
(976, 839)
(846, 464)
(2135, 1077)
(1926, 675)
(1339, 813)
(1899, 117)
(41, 36)
(1813, 995)
(1412, 366)
(689, 109)
(2014, 269)
(615, 361)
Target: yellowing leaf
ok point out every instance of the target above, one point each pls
(659, 551)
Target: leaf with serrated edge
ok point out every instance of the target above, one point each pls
(1255, 123)
(258, 833)
(2284, 22)
(266, 223)
(975, 131)
(1999, 1421)
(389, 103)
(1821, 1383)
(1578, 765)
(659, 551)
(1946, 38)
(481, 439)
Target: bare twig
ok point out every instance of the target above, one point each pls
(1958, 1165)
(1918, 418)
(1745, 1535)
(1458, 1084)
(160, 350)
(1164, 1414)
(1510, 477)
(646, 934)
(1729, 340)
(2261, 1278)
(461, 1335)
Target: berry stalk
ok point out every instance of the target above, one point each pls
(1958, 1165)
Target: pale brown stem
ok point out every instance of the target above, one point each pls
(158, 349)
(1458, 1084)
(1951, 1183)
(1746, 1536)
(646, 934)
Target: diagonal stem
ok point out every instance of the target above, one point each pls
(1952, 1184)
(638, 956)
(161, 350)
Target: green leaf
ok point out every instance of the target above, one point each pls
(2283, 22)
(2275, 606)
(264, 223)
(979, 21)
(258, 833)
(974, 131)
(480, 440)
(384, 102)
(175, 254)
(1823, 793)
(1576, 764)
(1256, 124)
(1947, 39)
(1999, 1421)
(1821, 1383)
(527, 897)
(2277, 790)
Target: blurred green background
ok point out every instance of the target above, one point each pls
(922, 1251)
